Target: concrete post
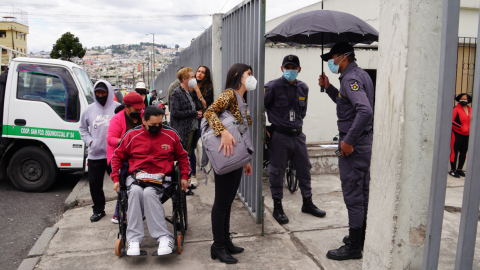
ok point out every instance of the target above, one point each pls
(406, 98)
(217, 54)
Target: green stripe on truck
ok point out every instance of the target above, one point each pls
(41, 132)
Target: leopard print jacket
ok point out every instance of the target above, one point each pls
(226, 101)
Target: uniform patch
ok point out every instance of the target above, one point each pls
(354, 86)
(290, 57)
(301, 98)
(339, 94)
(165, 146)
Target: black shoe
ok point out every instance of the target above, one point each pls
(346, 239)
(454, 174)
(97, 216)
(461, 173)
(222, 254)
(189, 193)
(192, 187)
(352, 249)
(231, 248)
(310, 208)
(278, 213)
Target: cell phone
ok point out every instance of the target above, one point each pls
(338, 152)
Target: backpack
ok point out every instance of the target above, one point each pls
(242, 153)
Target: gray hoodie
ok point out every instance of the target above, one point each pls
(94, 124)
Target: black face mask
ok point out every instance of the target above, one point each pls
(102, 100)
(142, 91)
(154, 129)
(463, 102)
(135, 115)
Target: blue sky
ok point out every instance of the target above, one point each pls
(104, 22)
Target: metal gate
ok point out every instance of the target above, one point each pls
(243, 29)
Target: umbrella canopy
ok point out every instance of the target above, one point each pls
(322, 27)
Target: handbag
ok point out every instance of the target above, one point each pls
(242, 152)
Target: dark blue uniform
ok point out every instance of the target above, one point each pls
(281, 99)
(355, 114)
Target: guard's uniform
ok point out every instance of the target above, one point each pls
(355, 117)
(286, 106)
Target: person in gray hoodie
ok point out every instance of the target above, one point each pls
(93, 130)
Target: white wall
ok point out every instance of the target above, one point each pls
(320, 124)
(468, 22)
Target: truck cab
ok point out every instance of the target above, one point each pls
(43, 101)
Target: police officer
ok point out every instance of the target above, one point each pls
(355, 114)
(286, 103)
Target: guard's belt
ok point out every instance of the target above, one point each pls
(363, 134)
(287, 131)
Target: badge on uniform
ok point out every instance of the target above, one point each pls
(354, 86)
(292, 115)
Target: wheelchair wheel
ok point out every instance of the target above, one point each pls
(180, 244)
(184, 210)
(122, 218)
(118, 247)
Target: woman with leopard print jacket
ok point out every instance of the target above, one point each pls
(239, 80)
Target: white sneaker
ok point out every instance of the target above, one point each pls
(193, 180)
(114, 220)
(133, 249)
(165, 246)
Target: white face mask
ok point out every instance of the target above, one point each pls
(250, 83)
(192, 83)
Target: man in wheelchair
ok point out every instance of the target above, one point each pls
(150, 150)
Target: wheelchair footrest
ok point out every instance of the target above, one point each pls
(142, 253)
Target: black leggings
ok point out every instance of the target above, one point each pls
(459, 144)
(226, 187)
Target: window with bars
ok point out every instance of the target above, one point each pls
(466, 55)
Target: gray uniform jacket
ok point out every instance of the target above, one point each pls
(281, 97)
(354, 102)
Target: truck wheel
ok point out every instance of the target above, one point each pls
(32, 169)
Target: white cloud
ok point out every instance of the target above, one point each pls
(103, 22)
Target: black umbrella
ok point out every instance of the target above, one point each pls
(322, 27)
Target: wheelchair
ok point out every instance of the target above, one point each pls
(179, 213)
(290, 178)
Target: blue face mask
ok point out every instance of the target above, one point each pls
(333, 68)
(290, 74)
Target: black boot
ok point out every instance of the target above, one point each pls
(352, 249)
(310, 208)
(362, 240)
(278, 213)
(217, 251)
(230, 247)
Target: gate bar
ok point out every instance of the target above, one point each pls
(443, 129)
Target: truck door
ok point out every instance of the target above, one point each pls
(45, 106)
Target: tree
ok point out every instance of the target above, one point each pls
(67, 46)
(177, 46)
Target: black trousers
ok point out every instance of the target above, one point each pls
(459, 144)
(226, 187)
(96, 172)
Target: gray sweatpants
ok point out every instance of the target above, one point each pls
(145, 201)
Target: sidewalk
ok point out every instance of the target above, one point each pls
(301, 244)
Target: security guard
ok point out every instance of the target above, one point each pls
(286, 103)
(355, 114)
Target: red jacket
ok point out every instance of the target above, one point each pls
(150, 153)
(461, 121)
(116, 130)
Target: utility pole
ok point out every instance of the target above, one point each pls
(143, 70)
(153, 78)
(133, 76)
(13, 43)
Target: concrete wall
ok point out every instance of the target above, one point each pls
(407, 82)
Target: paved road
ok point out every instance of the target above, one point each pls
(24, 216)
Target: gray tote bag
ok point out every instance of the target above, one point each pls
(242, 152)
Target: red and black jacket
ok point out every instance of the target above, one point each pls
(461, 121)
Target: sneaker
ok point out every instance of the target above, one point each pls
(133, 249)
(97, 216)
(193, 180)
(114, 219)
(165, 246)
(461, 173)
(454, 174)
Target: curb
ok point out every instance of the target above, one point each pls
(38, 249)
(71, 200)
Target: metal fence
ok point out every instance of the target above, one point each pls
(243, 29)
(471, 200)
(466, 55)
(198, 53)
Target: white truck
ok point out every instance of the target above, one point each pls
(41, 103)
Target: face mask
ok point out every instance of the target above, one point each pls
(102, 100)
(154, 129)
(250, 83)
(290, 74)
(463, 102)
(135, 115)
(331, 64)
(192, 83)
(141, 91)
